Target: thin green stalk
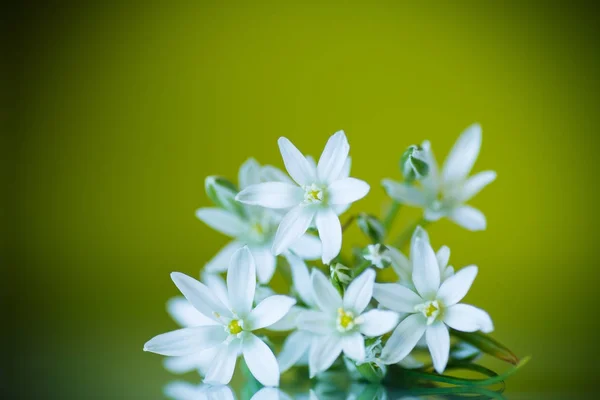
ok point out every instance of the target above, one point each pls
(364, 265)
(405, 236)
(391, 215)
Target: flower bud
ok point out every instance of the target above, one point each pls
(222, 193)
(340, 276)
(378, 255)
(371, 227)
(413, 163)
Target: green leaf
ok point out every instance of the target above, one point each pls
(222, 193)
(371, 227)
(488, 345)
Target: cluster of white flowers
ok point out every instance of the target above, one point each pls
(345, 312)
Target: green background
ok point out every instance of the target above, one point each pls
(121, 111)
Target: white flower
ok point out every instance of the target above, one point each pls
(318, 196)
(403, 266)
(445, 194)
(378, 255)
(232, 324)
(179, 390)
(255, 227)
(342, 322)
(432, 308)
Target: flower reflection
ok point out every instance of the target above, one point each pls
(179, 390)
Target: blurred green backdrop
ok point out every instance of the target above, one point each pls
(121, 111)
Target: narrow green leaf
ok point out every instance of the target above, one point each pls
(488, 345)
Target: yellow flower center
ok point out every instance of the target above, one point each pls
(313, 194)
(345, 320)
(234, 327)
(430, 309)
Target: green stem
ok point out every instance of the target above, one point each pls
(391, 215)
(405, 236)
(348, 223)
(364, 265)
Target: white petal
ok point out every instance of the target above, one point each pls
(400, 264)
(220, 392)
(404, 194)
(265, 263)
(339, 209)
(296, 164)
(324, 294)
(433, 215)
(467, 318)
(241, 282)
(420, 233)
(301, 279)
(475, 184)
(186, 341)
(184, 313)
(289, 320)
(223, 365)
(269, 311)
(293, 225)
(311, 161)
(443, 255)
(249, 173)
(345, 172)
(317, 322)
(222, 221)
(462, 156)
(271, 195)
(260, 361)
(426, 272)
(347, 190)
(307, 247)
(457, 286)
(359, 292)
(396, 297)
(323, 352)
(271, 174)
(431, 182)
(333, 158)
(409, 362)
(183, 364)
(295, 346)
(377, 322)
(469, 218)
(269, 393)
(404, 339)
(201, 297)
(217, 285)
(179, 390)
(353, 346)
(438, 341)
(330, 232)
(220, 262)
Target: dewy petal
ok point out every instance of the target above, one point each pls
(469, 218)
(324, 294)
(475, 184)
(467, 318)
(396, 297)
(265, 263)
(400, 264)
(333, 158)
(347, 190)
(223, 365)
(289, 320)
(200, 361)
(241, 282)
(222, 221)
(296, 164)
(307, 247)
(323, 352)
(443, 255)
(249, 173)
(269, 311)
(293, 225)
(260, 360)
(438, 341)
(317, 322)
(455, 288)
(185, 314)
(404, 339)
(271, 195)
(404, 194)
(359, 292)
(462, 156)
(186, 341)
(426, 272)
(295, 346)
(330, 232)
(268, 173)
(353, 346)
(201, 297)
(378, 322)
(220, 262)
(301, 279)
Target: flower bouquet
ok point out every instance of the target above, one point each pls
(336, 316)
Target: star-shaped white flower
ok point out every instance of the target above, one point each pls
(254, 227)
(233, 323)
(378, 255)
(319, 195)
(445, 193)
(432, 308)
(342, 322)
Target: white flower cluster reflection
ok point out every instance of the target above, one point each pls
(272, 220)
